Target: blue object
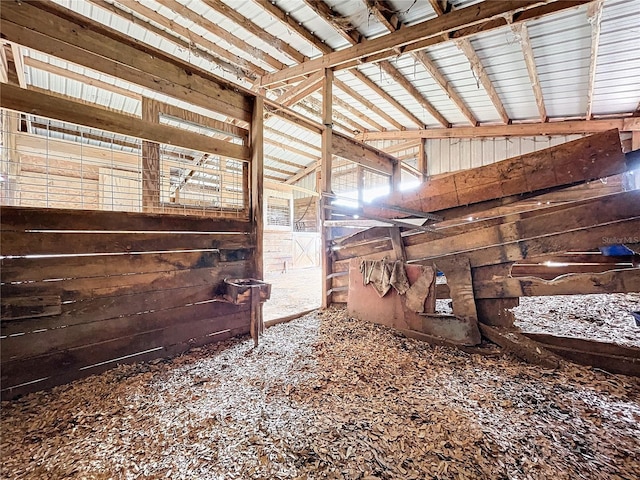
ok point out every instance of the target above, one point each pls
(615, 251)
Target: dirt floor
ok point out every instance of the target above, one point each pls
(326, 396)
(293, 292)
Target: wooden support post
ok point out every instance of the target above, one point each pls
(495, 311)
(325, 185)
(458, 272)
(635, 140)
(150, 160)
(398, 245)
(257, 183)
(396, 176)
(422, 165)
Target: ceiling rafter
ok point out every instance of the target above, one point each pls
(470, 20)
(287, 20)
(594, 14)
(340, 24)
(395, 74)
(569, 127)
(303, 172)
(66, 73)
(256, 30)
(384, 13)
(357, 113)
(307, 107)
(522, 33)
(305, 88)
(283, 162)
(351, 34)
(483, 77)
(291, 138)
(18, 62)
(441, 8)
(339, 116)
(4, 65)
(199, 45)
(221, 33)
(392, 101)
(291, 149)
(370, 105)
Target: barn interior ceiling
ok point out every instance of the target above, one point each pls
(404, 70)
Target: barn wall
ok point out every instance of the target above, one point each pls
(85, 290)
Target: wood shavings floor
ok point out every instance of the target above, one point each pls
(326, 396)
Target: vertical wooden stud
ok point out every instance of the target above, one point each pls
(325, 183)
(257, 183)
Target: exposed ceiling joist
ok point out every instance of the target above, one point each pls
(303, 172)
(339, 118)
(18, 62)
(291, 138)
(414, 37)
(197, 44)
(385, 14)
(66, 73)
(594, 14)
(291, 149)
(388, 98)
(370, 105)
(305, 88)
(414, 92)
(4, 65)
(522, 33)
(513, 130)
(256, 30)
(221, 33)
(483, 77)
(337, 101)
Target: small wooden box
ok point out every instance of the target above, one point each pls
(238, 290)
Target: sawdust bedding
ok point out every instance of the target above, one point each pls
(326, 396)
(602, 317)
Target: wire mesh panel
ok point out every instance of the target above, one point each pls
(52, 164)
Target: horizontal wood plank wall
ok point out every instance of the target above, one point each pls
(102, 288)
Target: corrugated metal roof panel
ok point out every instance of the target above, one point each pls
(562, 46)
(308, 18)
(501, 55)
(617, 81)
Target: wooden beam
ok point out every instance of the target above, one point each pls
(581, 160)
(291, 138)
(414, 92)
(197, 44)
(225, 128)
(357, 113)
(303, 172)
(221, 33)
(482, 75)
(305, 88)
(14, 98)
(423, 161)
(293, 117)
(574, 127)
(289, 148)
(18, 62)
(256, 189)
(77, 39)
(521, 346)
(390, 20)
(363, 154)
(256, 30)
(325, 184)
(291, 24)
(66, 73)
(4, 65)
(594, 15)
(370, 105)
(385, 96)
(313, 107)
(407, 39)
(444, 84)
(522, 33)
(338, 118)
(614, 281)
(348, 31)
